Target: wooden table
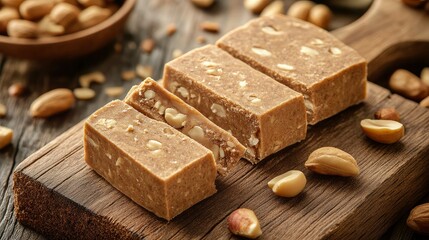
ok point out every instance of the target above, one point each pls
(149, 19)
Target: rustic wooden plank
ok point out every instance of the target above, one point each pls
(331, 207)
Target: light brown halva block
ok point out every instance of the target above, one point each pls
(330, 75)
(156, 102)
(261, 113)
(152, 163)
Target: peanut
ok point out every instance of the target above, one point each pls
(35, 9)
(243, 222)
(383, 131)
(22, 29)
(320, 15)
(6, 135)
(289, 184)
(332, 161)
(256, 6)
(147, 45)
(92, 16)
(84, 93)
(64, 14)
(300, 9)
(387, 114)
(424, 75)
(210, 27)
(408, 85)
(52, 102)
(418, 220)
(6, 15)
(48, 28)
(276, 7)
(17, 89)
(86, 80)
(114, 91)
(425, 102)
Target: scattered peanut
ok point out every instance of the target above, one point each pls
(276, 7)
(128, 75)
(387, 114)
(332, 161)
(210, 27)
(197, 133)
(300, 9)
(425, 102)
(203, 3)
(289, 184)
(147, 45)
(114, 91)
(17, 90)
(418, 220)
(52, 102)
(86, 80)
(243, 222)
(408, 85)
(84, 93)
(6, 135)
(171, 29)
(144, 71)
(424, 75)
(320, 15)
(256, 6)
(383, 131)
(3, 110)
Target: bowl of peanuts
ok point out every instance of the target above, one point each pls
(60, 29)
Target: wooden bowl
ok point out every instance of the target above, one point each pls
(71, 45)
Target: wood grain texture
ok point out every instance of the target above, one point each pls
(148, 20)
(331, 207)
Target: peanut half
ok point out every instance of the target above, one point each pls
(203, 3)
(243, 222)
(22, 29)
(383, 131)
(332, 161)
(289, 184)
(6, 135)
(52, 102)
(418, 220)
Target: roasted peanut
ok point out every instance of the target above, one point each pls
(289, 184)
(387, 114)
(408, 85)
(256, 6)
(22, 29)
(243, 222)
(383, 131)
(332, 161)
(320, 15)
(35, 9)
(300, 9)
(52, 102)
(276, 7)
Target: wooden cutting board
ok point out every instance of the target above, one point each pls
(59, 196)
